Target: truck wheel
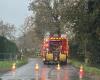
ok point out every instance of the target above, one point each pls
(44, 62)
(64, 63)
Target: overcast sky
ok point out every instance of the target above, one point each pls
(14, 11)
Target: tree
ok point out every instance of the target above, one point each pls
(52, 15)
(80, 17)
(7, 30)
(29, 40)
(86, 28)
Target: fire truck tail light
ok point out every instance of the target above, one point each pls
(51, 38)
(56, 38)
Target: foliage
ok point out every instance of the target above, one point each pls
(8, 64)
(7, 30)
(87, 69)
(80, 17)
(86, 29)
(7, 48)
(50, 16)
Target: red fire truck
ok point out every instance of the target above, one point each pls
(55, 49)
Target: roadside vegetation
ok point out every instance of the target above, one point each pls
(9, 54)
(78, 19)
(88, 69)
(7, 65)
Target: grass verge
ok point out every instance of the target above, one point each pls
(88, 69)
(7, 65)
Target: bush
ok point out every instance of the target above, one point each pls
(8, 49)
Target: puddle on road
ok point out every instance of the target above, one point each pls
(63, 75)
(19, 79)
(52, 78)
(53, 74)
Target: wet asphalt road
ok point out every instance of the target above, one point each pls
(46, 72)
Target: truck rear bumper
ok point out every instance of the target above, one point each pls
(49, 59)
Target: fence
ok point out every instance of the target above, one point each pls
(7, 56)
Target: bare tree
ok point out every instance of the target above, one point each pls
(29, 39)
(7, 30)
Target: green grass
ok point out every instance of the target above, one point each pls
(5, 64)
(21, 62)
(8, 64)
(87, 69)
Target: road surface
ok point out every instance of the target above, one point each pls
(45, 72)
